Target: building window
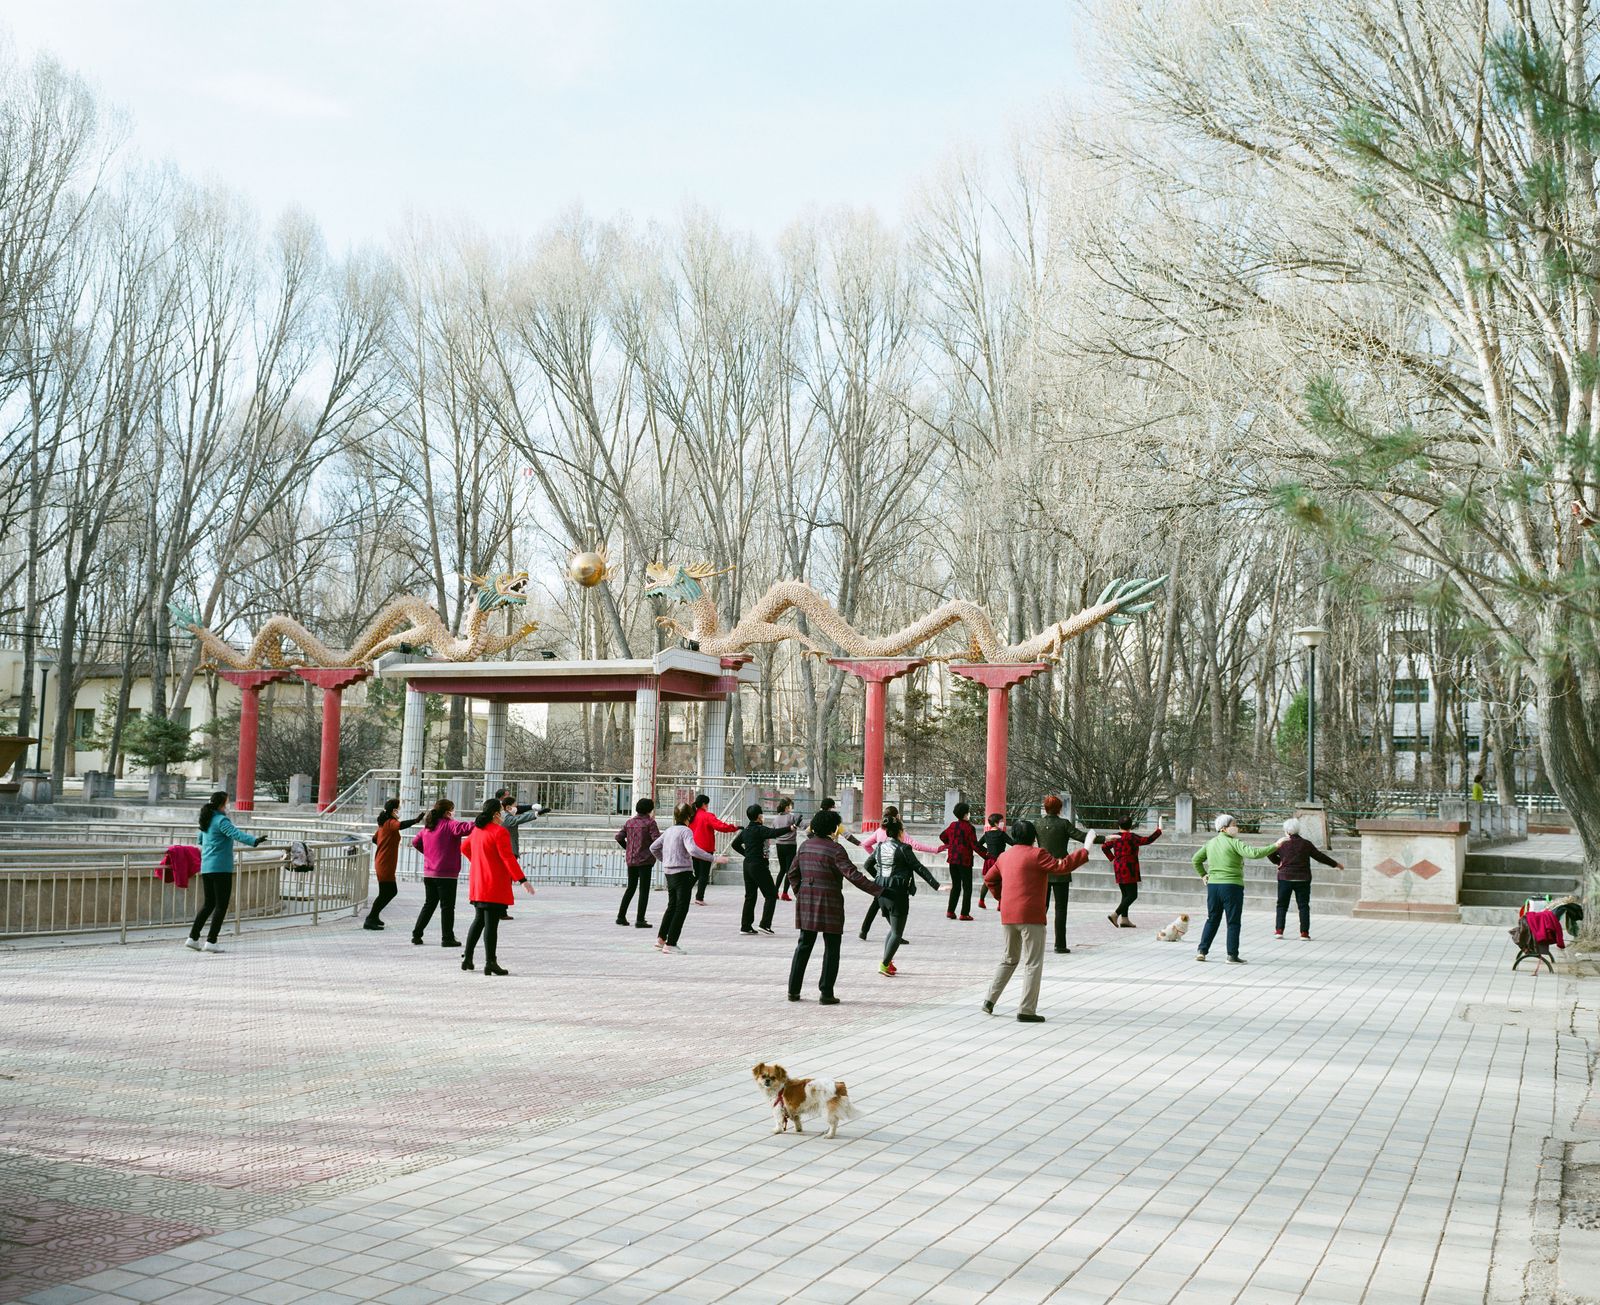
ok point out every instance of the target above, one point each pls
(1412, 742)
(83, 728)
(1410, 691)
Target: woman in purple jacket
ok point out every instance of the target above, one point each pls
(439, 840)
(1294, 856)
(635, 837)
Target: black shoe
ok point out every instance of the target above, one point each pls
(763, 929)
(988, 1008)
(494, 969)
(507, 916)
(622, 922)
(1237, 960)
(748, 931)
(1063, 951)
(862, 935)
(416, 940)
(467, 964)
(1030, 1019)
(641, 924)
(451, 942)
(794, 996)
(374, 925)
(827, 1001)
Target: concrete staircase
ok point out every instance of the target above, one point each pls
(1497, 882)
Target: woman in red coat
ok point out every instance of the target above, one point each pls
(494, 870)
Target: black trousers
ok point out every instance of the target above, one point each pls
(1301, 889)
(802, 957)
(758, 881)
(872, 914)
(387, 891)
(961, 885)
(485, 925)
(638, 882)
(1129, 893)
(895, 909)
(1060, 891)
(679, 885)
(440, 895)
(702, 877)
(786, 853)
(219, 892)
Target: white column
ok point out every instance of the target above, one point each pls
(646, 705)
(713, 745)
(411, 735)
(494, 748)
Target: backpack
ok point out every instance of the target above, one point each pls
(893, 876)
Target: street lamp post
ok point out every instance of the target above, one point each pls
(1311, 636)
(44, 664)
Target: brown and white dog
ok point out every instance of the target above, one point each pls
(791, 1098)
(1175, 930)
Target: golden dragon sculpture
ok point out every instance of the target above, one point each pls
(405, 620)
(1117, 604)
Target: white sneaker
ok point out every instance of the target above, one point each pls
(674, 948)
(660, 944)
(211, 947)
(193, 944)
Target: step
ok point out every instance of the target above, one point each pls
(1558, 885)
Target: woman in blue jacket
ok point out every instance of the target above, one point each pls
(218, 834)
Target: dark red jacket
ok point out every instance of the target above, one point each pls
(960, 840)
(1294, 858)
(1122, 850)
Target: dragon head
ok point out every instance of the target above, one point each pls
(182, 616)
(508, 589)
(684, 584)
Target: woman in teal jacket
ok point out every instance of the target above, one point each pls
(1221, 864)
(218, 834)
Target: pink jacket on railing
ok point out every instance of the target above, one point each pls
(870, 841)
(179, 865)
(441, 848)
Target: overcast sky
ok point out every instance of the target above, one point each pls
(508, 112)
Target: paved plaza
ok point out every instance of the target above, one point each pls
(331, 1115)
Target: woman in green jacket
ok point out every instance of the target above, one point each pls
(218, 834)
(1221, 864)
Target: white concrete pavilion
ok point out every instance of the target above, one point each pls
(672, 675)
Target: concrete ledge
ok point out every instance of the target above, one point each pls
(1412, 826)
(1420, 912)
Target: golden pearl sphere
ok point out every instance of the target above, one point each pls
(587, 569)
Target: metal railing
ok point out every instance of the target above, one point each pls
(88, 891)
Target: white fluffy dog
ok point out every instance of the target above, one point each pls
(1175, 930)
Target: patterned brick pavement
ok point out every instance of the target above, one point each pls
(332, 1115)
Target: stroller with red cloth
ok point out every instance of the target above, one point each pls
(1540, 925)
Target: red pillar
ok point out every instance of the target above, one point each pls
(333, 681)
(875, 673)
(250, 685)
(998, 678)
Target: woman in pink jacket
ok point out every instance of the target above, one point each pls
(439, 840)
(494, 870)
